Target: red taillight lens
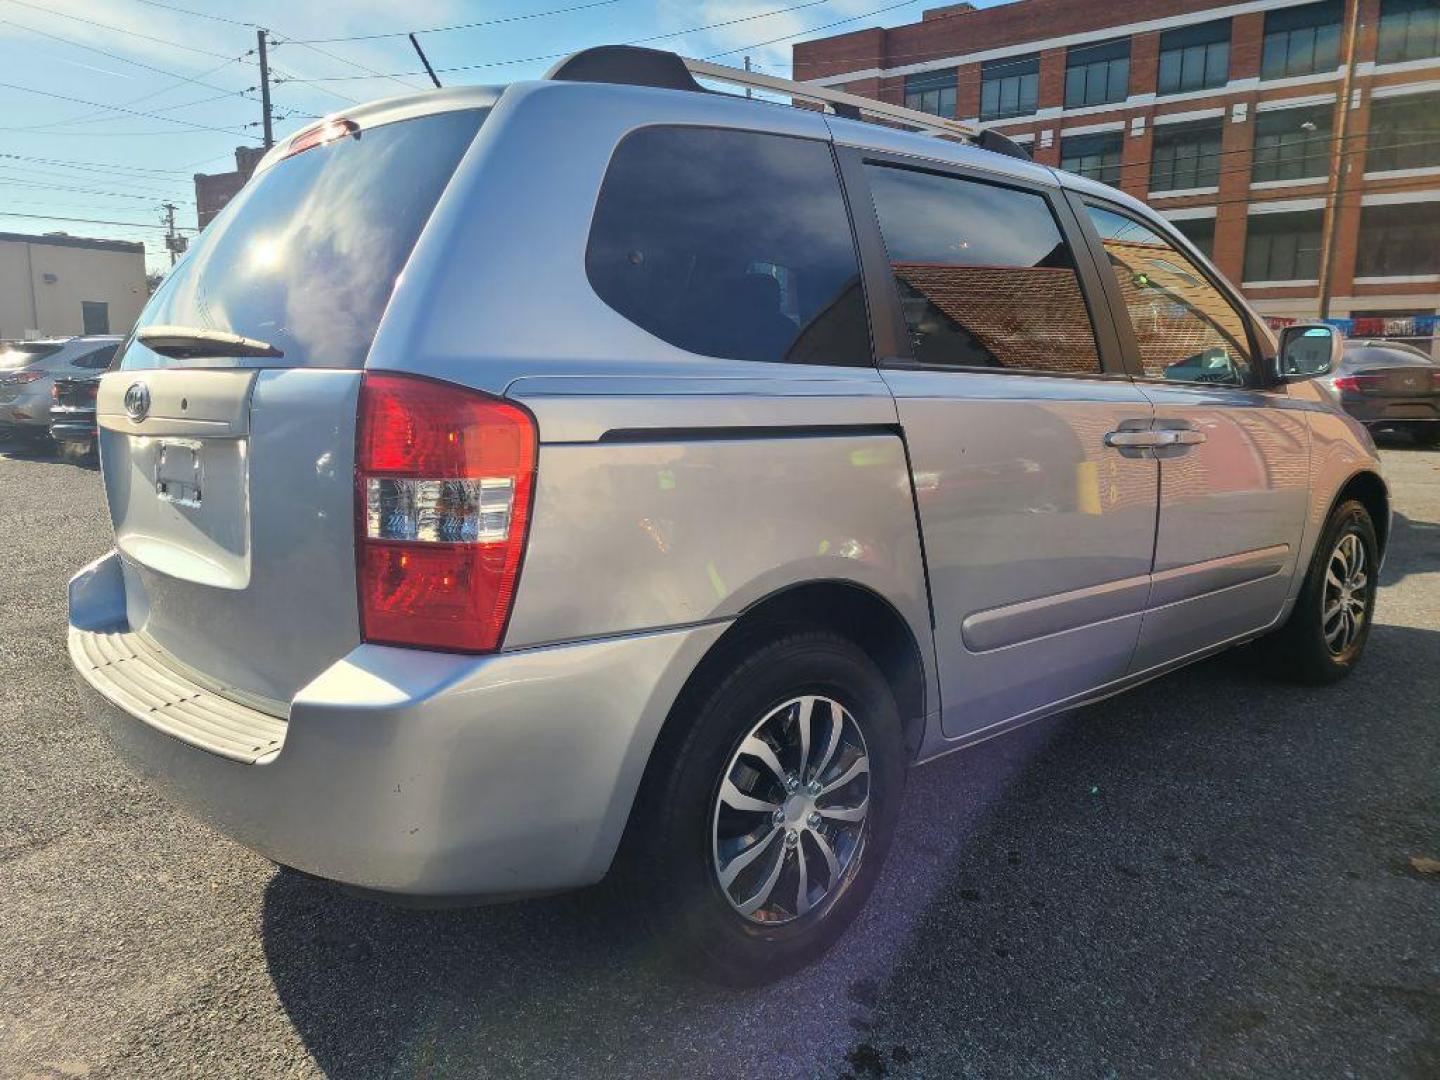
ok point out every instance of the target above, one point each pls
(20, 378)
(1359, 383)
(443, 478)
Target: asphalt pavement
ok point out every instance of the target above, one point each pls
(1210, 876)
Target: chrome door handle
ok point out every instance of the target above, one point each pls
(1187, 437)
(1141, 440)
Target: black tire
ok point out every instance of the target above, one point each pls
(667, 873)
(1299, 651)
(1426, 435)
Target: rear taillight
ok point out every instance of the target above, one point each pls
(443, 479)
(1359, 383)
(20, 378)
(55, 391)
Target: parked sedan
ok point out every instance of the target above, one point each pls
(1386, 384)
(27, 375)
(72, 416)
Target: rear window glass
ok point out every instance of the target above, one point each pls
(306, 255)
(733, 244)
(23, 354)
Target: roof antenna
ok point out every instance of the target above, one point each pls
(421, 53)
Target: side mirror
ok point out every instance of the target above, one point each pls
(1307, 350)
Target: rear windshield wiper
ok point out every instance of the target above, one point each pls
(184, 342)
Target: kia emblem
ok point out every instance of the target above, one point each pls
(137, 401)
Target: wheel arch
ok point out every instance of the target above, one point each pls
(853, 611)
(1370, 490)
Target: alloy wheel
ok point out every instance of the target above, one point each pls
(1345, 598)
(789, 817)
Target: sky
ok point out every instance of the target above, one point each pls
(108, 107)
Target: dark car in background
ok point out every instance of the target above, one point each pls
(72, 415)
(1390, 385)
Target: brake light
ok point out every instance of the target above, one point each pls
(1359, 383)
(20, 378)
(443, 482)
(320, 135)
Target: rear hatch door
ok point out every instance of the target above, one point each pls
(228, 469)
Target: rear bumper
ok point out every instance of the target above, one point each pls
(1379, 409)
(398, 770)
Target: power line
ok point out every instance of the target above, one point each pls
(117, 29)
(633, 41)
(201, 14)
(462, 26)
(812, 30)
(76, 163)
(120, 109)
(93, 221)
(7, 181)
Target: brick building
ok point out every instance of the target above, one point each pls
(1224, 117)
(213, 191)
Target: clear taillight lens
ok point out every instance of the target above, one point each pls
(443, 484)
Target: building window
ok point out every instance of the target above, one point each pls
(1301, 40)
(1409, 30)
(1097, 74)
(1195, 57)
(1186, 156)
(1283, 247)
(1399, 240)
(95, 315)
(984, 275)
(730, 243)
(1096, 156)
(1404, 133)
(1185, 328)
(1200, 232)
(931, 92)
(1291, 144)
(1009, 87)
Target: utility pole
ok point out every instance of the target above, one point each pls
(260, 37)
(1343, 159)
(748, 91)
(174, 242)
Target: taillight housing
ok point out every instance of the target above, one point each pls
(444, 477)
(20, 378)
(1359, 383)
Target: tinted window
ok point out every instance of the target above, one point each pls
(1200, 232)
(985, 277)
(1096, 155)
(1400, 240)
(1409, 30)
(1292, 143)
(305, 257)
(96, 360)
(1186, 156)
(1185, 327)
(931, 92)
(1404, 133)
(730, 243)
(1194, 57)
(1097, 74)
(1301, 40)
(1009, 87)
(1283, 247)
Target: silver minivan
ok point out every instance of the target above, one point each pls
(603, 476)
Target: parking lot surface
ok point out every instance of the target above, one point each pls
(1210, 876)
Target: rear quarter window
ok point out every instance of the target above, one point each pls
(732, 244)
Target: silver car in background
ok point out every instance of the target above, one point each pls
(598, 476)
(28, 370)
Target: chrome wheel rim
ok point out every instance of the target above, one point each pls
(789, 816)
(1346, 594)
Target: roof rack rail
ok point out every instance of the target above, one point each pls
(635, 66)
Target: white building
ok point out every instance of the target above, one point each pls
(57, 285)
